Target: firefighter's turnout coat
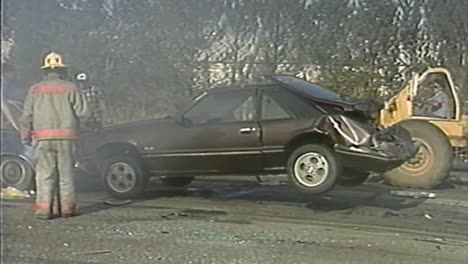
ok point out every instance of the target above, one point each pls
(52, 113)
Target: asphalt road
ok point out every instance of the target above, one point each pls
(243, 222)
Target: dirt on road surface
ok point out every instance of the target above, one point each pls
(214, 222)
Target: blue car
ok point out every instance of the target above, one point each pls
(16, 161)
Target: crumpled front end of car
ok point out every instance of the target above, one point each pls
(366, 147)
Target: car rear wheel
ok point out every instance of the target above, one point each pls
(177, 181)
(313, 168)
(124, 177)
(17, 173)
(431, 165)
(353, 178)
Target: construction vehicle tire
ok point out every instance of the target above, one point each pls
(431, 165)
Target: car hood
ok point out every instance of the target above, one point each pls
(134, 124)
(326, 96)
(357, 104)
(126, 132)
(138, 125)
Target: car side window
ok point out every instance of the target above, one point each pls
(294, 105)
(246, 111)
(272, 110)
(223, 107)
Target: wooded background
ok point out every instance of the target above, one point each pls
(150, 56)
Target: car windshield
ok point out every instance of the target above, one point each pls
(307, 88)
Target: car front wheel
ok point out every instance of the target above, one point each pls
(313, 169)
(124, 177)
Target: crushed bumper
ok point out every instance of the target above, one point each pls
(368, 148)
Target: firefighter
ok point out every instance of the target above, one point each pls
(51, 116)
(95, 102)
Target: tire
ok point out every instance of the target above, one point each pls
(353, 178)
(327, 164)
(17, 173)
(431, 165)
(124, 177)
(177, 181)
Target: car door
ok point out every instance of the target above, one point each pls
(222, 136)
(283, 116)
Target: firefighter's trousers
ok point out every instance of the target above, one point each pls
(55, 160)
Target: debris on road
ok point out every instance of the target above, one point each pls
(13, 193)
(428, 216)
(393, 213)
(97, 252)
(413, 194)
(117, 202)
(174, 214)
(436, 240)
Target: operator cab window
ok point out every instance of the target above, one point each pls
(434, 98)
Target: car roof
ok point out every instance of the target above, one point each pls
(277, 85)
(243, 87)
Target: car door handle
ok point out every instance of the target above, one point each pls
(247, 130)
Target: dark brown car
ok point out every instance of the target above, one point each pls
(290, 126)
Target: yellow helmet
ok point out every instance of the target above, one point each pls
(53, 60)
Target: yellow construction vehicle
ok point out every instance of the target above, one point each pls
(441, 129)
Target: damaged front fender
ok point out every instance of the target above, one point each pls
(366, 147)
